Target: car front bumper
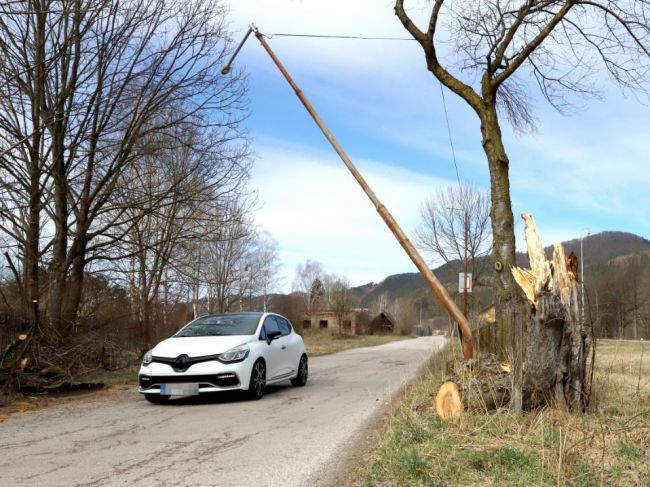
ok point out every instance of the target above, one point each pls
(210, 376)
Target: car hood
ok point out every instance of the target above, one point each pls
(198, 346)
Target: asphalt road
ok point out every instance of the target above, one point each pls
(292, 437)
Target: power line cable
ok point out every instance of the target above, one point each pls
(451, 142)
(325, 36)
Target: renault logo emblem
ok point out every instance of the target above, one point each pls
(181, 362)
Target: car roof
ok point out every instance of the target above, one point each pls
(233, 313)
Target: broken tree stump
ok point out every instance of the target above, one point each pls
(557, 343)
(555, 346)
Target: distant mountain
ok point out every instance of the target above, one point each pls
(598, 250)
(605, 246)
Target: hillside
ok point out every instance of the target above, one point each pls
(598, 250)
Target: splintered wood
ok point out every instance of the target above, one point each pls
(557, 277)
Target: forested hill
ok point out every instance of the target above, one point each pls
(598, 250)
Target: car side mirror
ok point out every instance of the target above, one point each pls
(272, 335)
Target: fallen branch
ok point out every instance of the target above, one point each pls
(20, 339)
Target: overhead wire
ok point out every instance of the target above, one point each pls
(326, 36)
(351, 37)
(451, 142)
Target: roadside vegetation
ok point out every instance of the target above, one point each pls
(607, 446)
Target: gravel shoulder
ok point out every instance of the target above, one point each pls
(292, 437)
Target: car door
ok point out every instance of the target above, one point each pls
(273, 352)
(290, 347)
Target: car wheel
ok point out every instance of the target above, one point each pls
(303, 371)
(257, 385)
(156, 398)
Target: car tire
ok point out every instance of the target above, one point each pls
(303, 372)
(156, 398)
(257, 384)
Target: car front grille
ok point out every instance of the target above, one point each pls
(214, 380)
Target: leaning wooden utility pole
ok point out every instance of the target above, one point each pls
(404, 241)
(465, 304)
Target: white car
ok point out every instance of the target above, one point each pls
(224, 352)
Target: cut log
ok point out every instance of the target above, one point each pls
(448, 401)
(482, 384)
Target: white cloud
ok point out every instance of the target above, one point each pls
(315, 209)
(588, 165)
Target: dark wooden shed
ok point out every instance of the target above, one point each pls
(382, 324)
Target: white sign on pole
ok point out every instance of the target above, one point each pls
(461, 285)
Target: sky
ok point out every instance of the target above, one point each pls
(585, 171)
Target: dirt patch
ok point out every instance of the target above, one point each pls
(24, 404)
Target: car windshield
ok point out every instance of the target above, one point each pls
(221, 325)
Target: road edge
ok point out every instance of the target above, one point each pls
(341, 470)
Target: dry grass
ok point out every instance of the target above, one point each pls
(608, 446)
(323, 343)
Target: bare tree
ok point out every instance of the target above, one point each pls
(340, 298)
(265, 266)
(83, 83)
(561, 44)
(309, 283)
(226, 256)
(188, 183)
(441, 233)
(380, 303)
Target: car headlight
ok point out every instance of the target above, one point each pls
(236, 354)
(148, 358)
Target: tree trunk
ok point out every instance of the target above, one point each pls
(31, 267)
(76, 283)
(57, 270)
(508, 299)
(133, 290)
(145, 304)
(503, 233)
(482, 384)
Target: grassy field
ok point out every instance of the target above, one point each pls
(608, 446)
(324, 343)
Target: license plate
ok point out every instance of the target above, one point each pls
(184, 389)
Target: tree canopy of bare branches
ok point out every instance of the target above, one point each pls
(495, 47)
(119, 139)
(309, 283)
(441, 233)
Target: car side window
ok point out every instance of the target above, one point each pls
(284, 325)
(269, 325)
